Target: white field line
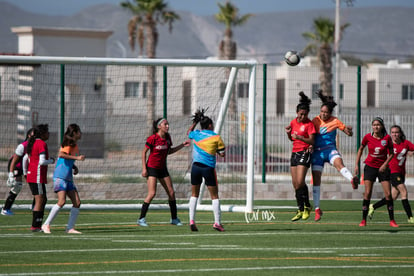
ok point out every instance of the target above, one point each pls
(207, 248)
(261, 268)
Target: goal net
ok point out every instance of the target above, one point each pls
(114, 101)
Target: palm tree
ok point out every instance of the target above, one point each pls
(321, 45)
(142, 27)
(229, 16)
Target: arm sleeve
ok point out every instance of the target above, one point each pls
(20, 150)
(25, 164)
(43, 161)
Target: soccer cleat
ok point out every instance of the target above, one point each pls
(142, 222)
(35, 229)
(318, 214)
(46, 229)
(306, 213)
(73, 231)
(410, 220)
(298, 215)
(393, 223)
(371, 211)
(363, 223)
(6, 212)
(193, 226)
(218, 227)
(176, 221)
(355, 182)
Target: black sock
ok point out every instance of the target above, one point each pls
(365, 205)
(173, 208)
(390, 207)
(305, 194)
(380, 203)
(299, 199)
(9, 201)
(407, 207)
(37, 218)
(144, 210)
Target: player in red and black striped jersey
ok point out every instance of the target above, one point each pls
(155, 167)
(380, 153)
(397, 166)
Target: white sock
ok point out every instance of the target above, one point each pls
(346, 173)
(192, 206)
(216, 210)
(73, 216)
(53, 213)
(316, 192)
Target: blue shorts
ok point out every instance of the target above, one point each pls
(60, 184)
(320, 156)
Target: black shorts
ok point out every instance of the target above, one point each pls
(397, 179)
(371, 174)
(158, 173)
(200, 171)
(38, 188)
(302, 158)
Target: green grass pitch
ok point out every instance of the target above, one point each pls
(263, 243)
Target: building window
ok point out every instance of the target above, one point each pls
(222, 89)
(243, 90)
(187, 97)
(131, 89)
(314, 89)
(407, 92)
(145, 89)
(317, 86)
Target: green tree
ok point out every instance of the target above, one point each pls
(229, 16)
(142, 28)
(321, 42)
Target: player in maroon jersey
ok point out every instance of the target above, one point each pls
(301, 132)
(380, 153)
(36, 172)
(397, 166)
(155, 167)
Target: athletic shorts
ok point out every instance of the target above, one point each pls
(397, 179)
(320, 156)
(60, 184)
(200, 171)
(301, 158)
(372, 174)
(38, 188)
(158, 173)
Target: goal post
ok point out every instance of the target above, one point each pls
(107, 97)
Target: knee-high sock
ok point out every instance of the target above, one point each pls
(216, 210)
(380, 203)
(299, 199)
(53, 213)
(73, 216)
(173, 208)
(192, 207)
(346, 173)
(305, 195)
(9, 201)
(365, 207)
(316, 192)
(407, 207)
(37, 218)
(390, 207)
(144, 210)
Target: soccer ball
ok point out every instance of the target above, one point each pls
(292, 58)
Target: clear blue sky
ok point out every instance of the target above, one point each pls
(203, 7)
